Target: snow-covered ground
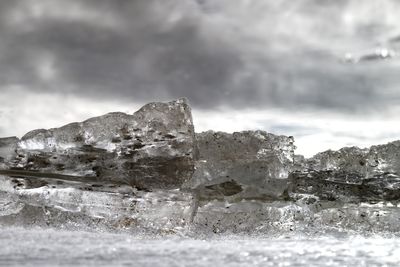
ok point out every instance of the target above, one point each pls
(48, 247)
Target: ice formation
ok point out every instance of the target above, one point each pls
(150, 149)
(249, 164)
(150, 172)
(352, 174)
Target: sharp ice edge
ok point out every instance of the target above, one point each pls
(179, 182)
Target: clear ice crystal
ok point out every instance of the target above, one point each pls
(257, 163)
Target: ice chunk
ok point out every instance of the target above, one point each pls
(248, 164)
(352, 174)
(153, 148)
(57, 204)
(129, 171)
(367, 162)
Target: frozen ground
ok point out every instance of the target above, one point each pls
(47, 247)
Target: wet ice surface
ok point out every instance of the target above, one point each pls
(48, 247)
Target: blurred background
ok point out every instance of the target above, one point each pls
(326, 72)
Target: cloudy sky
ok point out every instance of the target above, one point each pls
(325, 71)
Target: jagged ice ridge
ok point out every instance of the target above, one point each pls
(150, 172)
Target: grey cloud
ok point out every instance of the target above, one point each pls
(138, 62)
(294, 130)
(1, 127)
(147, 50)
(374, 138)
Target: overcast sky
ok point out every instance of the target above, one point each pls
(325, 71)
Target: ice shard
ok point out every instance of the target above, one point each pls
(351, 174)
(248, 164)
(153, 148)
(96, 206)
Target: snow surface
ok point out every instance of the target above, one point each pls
(39, 247)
